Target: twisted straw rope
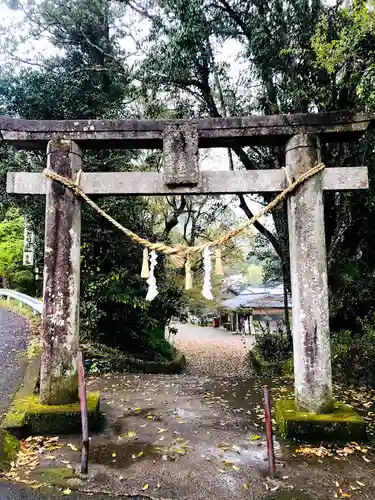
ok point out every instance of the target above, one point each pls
(179, 253)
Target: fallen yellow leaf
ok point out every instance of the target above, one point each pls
(245, 486)
(255, 438)
(67, 491)
(145, 487)
(131, 434)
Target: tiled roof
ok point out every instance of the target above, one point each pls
(255, 300)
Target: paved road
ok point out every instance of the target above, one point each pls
(187, 331)
(12, 341)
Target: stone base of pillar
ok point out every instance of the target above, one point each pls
(343, 424)
(61, 390)
(27, 416)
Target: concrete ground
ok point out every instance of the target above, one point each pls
(200, 436)
(10, 491)
(195, 437)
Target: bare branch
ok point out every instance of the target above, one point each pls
(262, 229)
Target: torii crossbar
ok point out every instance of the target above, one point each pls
(180, 140)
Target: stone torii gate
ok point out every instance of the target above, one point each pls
(180, 140)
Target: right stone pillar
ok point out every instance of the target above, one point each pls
(308, 269)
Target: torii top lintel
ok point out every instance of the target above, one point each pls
(212, 132)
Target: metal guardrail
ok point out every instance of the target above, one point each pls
(35, 304)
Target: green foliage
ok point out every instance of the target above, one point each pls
(12, 271)
(158, 345)
(293, 56)
(283, 368)
(280, 70)
(162, 358)
(90, 80)
(273, 346)
(359, 348)
(254, 274)
(344, 45)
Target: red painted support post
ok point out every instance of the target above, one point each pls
(84, 418)
(267, 413)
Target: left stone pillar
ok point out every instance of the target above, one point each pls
(60, 337)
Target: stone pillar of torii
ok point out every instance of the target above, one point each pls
(301, 135)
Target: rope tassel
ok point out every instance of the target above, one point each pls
(152, 288)
(207, 265)
(188, 274)
(145, 271)
(219, 271)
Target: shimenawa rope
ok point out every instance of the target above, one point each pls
(179, 253)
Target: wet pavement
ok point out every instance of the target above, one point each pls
(201, 436)
(10, 491)
(193, 437)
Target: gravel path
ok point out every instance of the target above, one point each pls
(212, 351)
(13, 331)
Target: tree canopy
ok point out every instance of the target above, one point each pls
(184, 59)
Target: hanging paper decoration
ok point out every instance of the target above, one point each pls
(152, 289)
(188, 274)
(145, 271)
(219, 271)
(207, 265)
